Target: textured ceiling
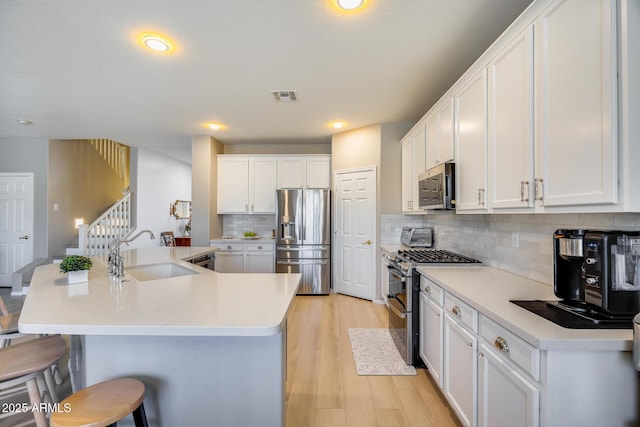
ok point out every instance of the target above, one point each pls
(74, 68)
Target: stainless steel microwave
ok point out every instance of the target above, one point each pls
(436, 187)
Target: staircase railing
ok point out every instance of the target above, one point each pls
(114, 223)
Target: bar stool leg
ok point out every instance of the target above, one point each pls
(34, 396)
(140, 417)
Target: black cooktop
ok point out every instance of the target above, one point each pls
(564, 316)
(435, 256)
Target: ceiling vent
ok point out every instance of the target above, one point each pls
(285, 95)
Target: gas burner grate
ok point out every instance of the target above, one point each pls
(435, 256)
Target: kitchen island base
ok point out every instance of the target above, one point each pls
(194, 381)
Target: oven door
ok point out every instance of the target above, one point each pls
(400, 328)
(400, 316)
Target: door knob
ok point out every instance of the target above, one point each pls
(368, 242)
(25, 237)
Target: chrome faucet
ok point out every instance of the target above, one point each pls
(138, 235)
(115, 260)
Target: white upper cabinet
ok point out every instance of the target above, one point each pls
(233, 184)
(304, 172)
(471, 155)
(440, 136)
(511, 171)
(246, 184)
(576, 98)
(413, 164)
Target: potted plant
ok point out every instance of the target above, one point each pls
(77, 268)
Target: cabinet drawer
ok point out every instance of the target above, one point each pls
(432, 291)
(229, 247)
(259, 247)
(461, 311)
(511, 347)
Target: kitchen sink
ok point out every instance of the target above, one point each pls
(163, 270)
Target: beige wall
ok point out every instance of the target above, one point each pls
(390, 174)
(81, 184)
(356, 148)
(266, 148)
(205, 223)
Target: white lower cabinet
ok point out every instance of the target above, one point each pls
(431, 324)
(259, 259)
(505, 397)
(229, 262)
(244, 258)
(460, 370)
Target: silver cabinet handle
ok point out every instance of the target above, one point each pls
(501, 344)
(481, 196)
(539, 194)
(260, 247)
(428, 290)
(470, 345)
(229, 247)
(481, 354)
(25, 237)
(524, 198)
(246, 207)
(456, 310)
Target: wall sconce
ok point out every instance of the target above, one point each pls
(77, 222)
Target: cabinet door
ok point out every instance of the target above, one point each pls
(318, 173)
(447, 142)
(229, 262)
(263, 185)
(431, 324)
(471, 157)
(419, 164)
(432, 134)
(233, 185)
(511, 125)
(576, 98)
(505, 397)
(407, 175)
(460, 370)
(259, 262)
(291, 173)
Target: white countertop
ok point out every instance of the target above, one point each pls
(489, 290)
(203, 304)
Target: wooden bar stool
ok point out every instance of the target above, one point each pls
(21, 365)
(103, 405)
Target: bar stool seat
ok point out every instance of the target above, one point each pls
(102, 405)
(22, 364)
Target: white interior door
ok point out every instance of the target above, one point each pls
(354, 243)
(16, 224)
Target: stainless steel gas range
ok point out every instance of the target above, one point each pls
(404, 290)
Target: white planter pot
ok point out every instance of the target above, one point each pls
(80, 276)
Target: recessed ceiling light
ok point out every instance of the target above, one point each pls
(157, 42)
(337, 125)
(215, 126)
(350, 5)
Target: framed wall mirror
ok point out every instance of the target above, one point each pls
(181, 209)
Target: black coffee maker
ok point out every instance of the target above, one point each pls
(597, 272)
(611, 273)
(568, 255)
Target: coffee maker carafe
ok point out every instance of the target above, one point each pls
(568, 254)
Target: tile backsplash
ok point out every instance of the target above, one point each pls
(236, 225)
(521, 244)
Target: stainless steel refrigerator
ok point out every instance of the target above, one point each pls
(303, 237)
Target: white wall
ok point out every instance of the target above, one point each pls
(157, 181)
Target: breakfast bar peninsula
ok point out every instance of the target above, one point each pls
(210, 347)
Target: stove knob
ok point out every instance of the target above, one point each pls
(592, 280)
(590, 261)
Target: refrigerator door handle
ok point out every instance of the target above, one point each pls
(303, 262)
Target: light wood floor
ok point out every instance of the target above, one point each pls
(323, 388)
